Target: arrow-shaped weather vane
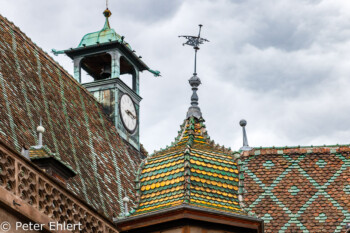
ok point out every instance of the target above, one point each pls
(195, 41)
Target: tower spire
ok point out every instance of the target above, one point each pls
(194, 81)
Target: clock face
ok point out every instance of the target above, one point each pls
(128, 113)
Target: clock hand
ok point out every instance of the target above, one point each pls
(130, 114)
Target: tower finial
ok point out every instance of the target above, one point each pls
(245, 146)
(107, 13)
(194, 81)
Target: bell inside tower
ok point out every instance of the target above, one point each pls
(96, 66)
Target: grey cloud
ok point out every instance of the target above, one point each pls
(282, 65)
(147, 10)
(282, 74)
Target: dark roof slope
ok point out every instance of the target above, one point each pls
(300, 189)
(32, 85)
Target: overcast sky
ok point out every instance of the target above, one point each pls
(282, 65)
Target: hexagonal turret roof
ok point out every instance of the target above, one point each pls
(191, 171)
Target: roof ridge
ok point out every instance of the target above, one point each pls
(298, 150)
(138, 184)
(187, 174)
(299, 146)
(236, 157)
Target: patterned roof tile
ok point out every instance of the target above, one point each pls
(191, 171)
(306, 189)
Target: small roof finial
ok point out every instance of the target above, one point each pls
(126, 200)
(40, 129)
(194, 81)
(245, 146)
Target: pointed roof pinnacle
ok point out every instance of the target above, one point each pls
(194, 41)
(107, 13)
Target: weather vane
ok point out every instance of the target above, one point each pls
(195, 41)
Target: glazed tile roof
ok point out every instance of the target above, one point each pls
(191, 171)
(300, 189)
(33, 85)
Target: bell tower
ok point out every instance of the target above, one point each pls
(100, 60)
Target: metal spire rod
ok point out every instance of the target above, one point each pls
(195, 62)
(196, 49)
(107, 4)
(194, 81)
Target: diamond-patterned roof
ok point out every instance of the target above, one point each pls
(191, 171)
(299, 189)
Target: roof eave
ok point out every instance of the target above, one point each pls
(67, 168)
(185, 211)
(139, 63)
